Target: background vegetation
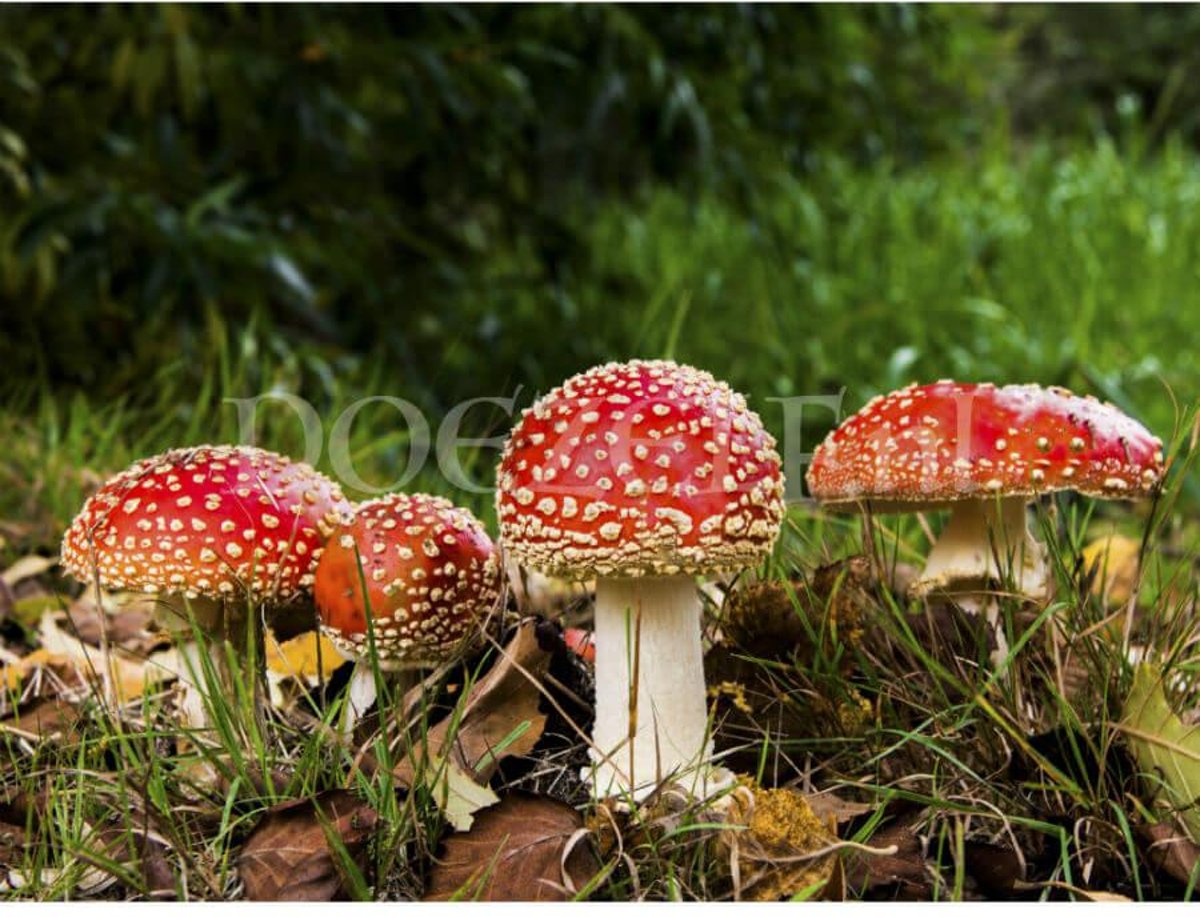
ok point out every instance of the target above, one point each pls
(443, 202)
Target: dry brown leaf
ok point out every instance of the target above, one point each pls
(500, 714)
(15, 813)
(128, 617)
(527, 848)
(996, 869)
(158, 877)
(145, 858)
(1170, 850)
(288, 856)
(18, 805)
(126, 629)
(12, 845)
(46, 718)
(7, 600)
(129, 675)
(830, 805)
(26, 568)
(903, 870)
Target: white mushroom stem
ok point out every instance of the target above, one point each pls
(651, 709)
(964, 558)
(217, 621)
(362, 691)
(176, 613)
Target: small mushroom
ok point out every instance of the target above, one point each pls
(644, 475)
(432, 578)
(983, 452)
(211, 531)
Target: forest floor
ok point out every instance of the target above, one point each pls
(883, 750)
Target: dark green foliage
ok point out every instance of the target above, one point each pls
(1104, 67)
(363, 176)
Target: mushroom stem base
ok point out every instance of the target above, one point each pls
(964, 559)
(651, 708)
(215, 623)
(362, 693)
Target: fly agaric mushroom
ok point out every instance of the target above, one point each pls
(984, 452)
(644, 475)
(432, 578)
(207, 529)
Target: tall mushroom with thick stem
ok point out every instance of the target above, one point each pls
(431, 577)
(644, 475)
(211, 531)
(983, 452)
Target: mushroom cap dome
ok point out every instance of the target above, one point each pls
(948, 441)
(211, 521)
(431, 572)
(639, 468)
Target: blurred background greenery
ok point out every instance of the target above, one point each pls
(444, 202)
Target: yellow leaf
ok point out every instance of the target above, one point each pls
(459, 797)
(17, 672)
(310, 656)
(1115, 560)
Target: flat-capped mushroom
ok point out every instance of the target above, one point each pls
(432, 578)
(209, 530)
(643, 475)
(984, 452)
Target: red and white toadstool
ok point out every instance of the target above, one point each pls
(643, 475)
(209, 530)
(432, 579)
(984, 452)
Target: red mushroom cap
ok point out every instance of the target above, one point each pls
(932, 444)
(636, 468)
(581, 642)
(206, 521)
(431, 572)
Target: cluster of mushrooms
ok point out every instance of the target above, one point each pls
(641, 475)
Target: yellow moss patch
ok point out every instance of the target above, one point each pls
(855, 715)
(736, 694)
(778, 852)
(783, 819)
